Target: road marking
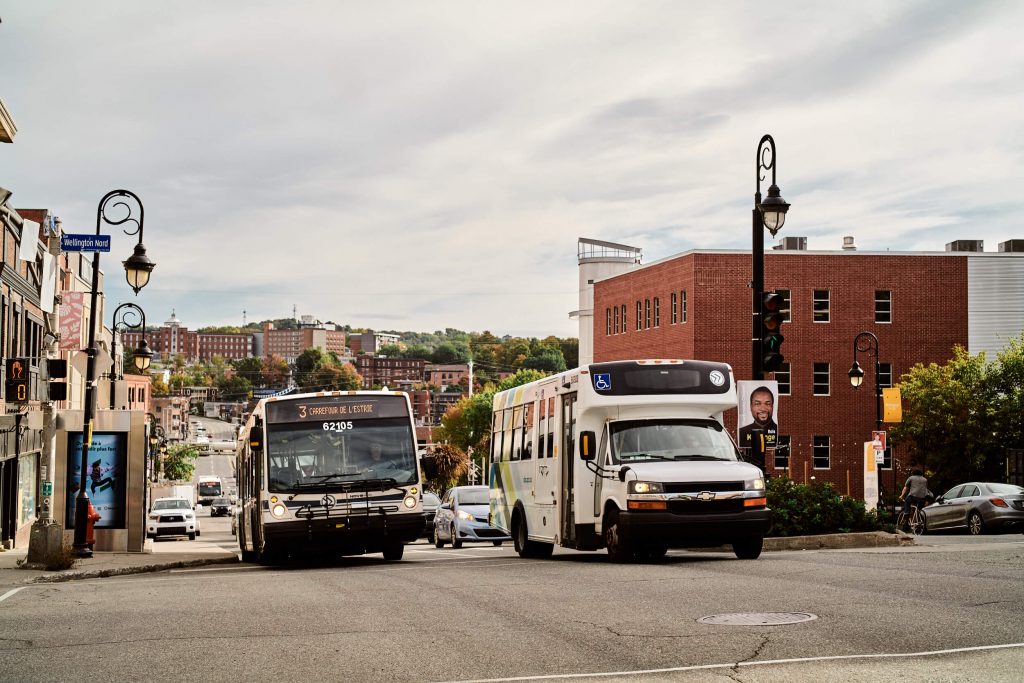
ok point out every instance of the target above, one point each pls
(701, 667)
(11, 592)
(231, 568)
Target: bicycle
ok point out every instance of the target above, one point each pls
(914, 521)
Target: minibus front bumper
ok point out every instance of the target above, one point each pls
(692, 529)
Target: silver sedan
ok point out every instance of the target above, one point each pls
(978, 507)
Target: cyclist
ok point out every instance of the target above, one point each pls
(915, 491)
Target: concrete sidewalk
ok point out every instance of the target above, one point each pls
(13, 573)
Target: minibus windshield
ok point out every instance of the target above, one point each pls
(670, 439)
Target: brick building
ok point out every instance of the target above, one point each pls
(173, 338)
(394, 373)
(289, 344)
(919, 305)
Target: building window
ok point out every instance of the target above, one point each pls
(821, 453)
(782, 452)
(782, 377)
(616, 320)
(885, 375)
(883, 306)
(623, 318)
(675, 309)
(639, 316)
(821, 379)
(821, 306)
(784, 304)
(657, 312)
(647, 314)
(682, 306)
(607, 322)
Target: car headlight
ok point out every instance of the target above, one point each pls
(188, 515)
(462, 514)
(754, 484)
(278, 510)
(646, 487)
(154, 518)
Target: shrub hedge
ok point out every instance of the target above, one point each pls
(802, 510)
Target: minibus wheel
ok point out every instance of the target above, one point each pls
(618, 550)
(748, 548)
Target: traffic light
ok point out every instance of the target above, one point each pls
(17, 388)
(771, 331)
(57, 368)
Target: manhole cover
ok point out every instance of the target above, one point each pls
(757, 618)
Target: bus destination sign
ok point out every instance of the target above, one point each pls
(323, 408)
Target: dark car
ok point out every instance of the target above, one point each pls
(220, 506)
(430, 504)
(462, 518)
(977, 507)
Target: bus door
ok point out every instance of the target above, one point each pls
(568, 454)
(544, 486)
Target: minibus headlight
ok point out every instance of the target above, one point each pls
(646, 487)
(278, 510)
(754, 484)
(409, 501)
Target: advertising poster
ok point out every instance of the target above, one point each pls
(105, 478)
(870, 477)
(72, 306)
(758, 409)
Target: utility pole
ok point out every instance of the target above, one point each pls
(471, 376)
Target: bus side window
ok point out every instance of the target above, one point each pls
(517, 433)
(542, 427)
(496, 437)
(528, 431)
(506, 439)
(551, 427)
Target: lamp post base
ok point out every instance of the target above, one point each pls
(46, 543)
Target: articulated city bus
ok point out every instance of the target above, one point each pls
(328, 473)
(631, 456)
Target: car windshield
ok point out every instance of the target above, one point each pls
(305, 454)
(172, 505)
(473, 497)
(640, 440)
(1006, 489)
(221, 501)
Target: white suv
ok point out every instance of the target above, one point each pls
(172, 517)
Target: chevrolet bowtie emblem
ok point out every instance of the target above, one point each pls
(706, 495)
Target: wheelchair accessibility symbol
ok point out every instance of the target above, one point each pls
(603, 381)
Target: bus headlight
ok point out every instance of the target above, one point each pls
(278, 510)
(646, 487)
(409, 502)
(754, 485)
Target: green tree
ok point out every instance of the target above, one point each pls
(251, 369)
(452, 464)
(178, 462)
(275, 371)
(330, 377)
(307, 365)
(450, 352)
(235, 388)
(548, 359)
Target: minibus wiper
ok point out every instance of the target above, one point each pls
(649, 456)
(697, 456)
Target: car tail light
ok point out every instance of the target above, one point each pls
(998, 502)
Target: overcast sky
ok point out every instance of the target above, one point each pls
(422, 165)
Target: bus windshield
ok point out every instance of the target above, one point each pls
(668, 439)
(302, 455)
(209, 488)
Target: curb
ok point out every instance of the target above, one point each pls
(123, 571)
(867, 539)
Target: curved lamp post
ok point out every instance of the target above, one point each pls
(867, 342)
(128, 316)
(137, 269)
(769, 213)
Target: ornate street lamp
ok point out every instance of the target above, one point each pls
(137, 268)
(770, 214)
(867, 342)
(128, 316)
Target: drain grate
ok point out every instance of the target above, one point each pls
(757, 618)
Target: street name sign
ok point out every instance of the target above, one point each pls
(77, 242)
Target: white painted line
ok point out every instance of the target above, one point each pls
(212, 569)
(700, 667)
(11, 592)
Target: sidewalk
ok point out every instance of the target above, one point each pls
(167, 556)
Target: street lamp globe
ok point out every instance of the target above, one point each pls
(143, 356)
(137, 268)
(856, 375)
(773, 210)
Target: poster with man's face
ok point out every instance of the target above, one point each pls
(758, 410)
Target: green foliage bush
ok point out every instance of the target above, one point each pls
(802, 510)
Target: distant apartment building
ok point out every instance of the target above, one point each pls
(174, 339)
(444, 376)
(371, 342)
(394, 373)
(172, 414)
(289, 344)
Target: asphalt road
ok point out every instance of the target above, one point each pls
(482, 613)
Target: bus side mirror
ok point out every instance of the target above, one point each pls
(256, 442)
(429, 467)
(588, 445)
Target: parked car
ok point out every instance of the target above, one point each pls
(462, 518)
(977, 507)
(220, 506)
(172, 517)
(430, 504)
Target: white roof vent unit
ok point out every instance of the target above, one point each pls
(966, 245)
(791, 244)
(848, 243)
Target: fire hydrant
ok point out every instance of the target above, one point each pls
(90, 525)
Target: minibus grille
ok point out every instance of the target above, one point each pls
(698, 486)
(705, 507)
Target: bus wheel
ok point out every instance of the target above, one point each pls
(267, 557)
(248, 555)
(618, 550)
(393, 552)
(523, 545)
(748, 548)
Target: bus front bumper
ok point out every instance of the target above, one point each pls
(692, 530)
(352, 534)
